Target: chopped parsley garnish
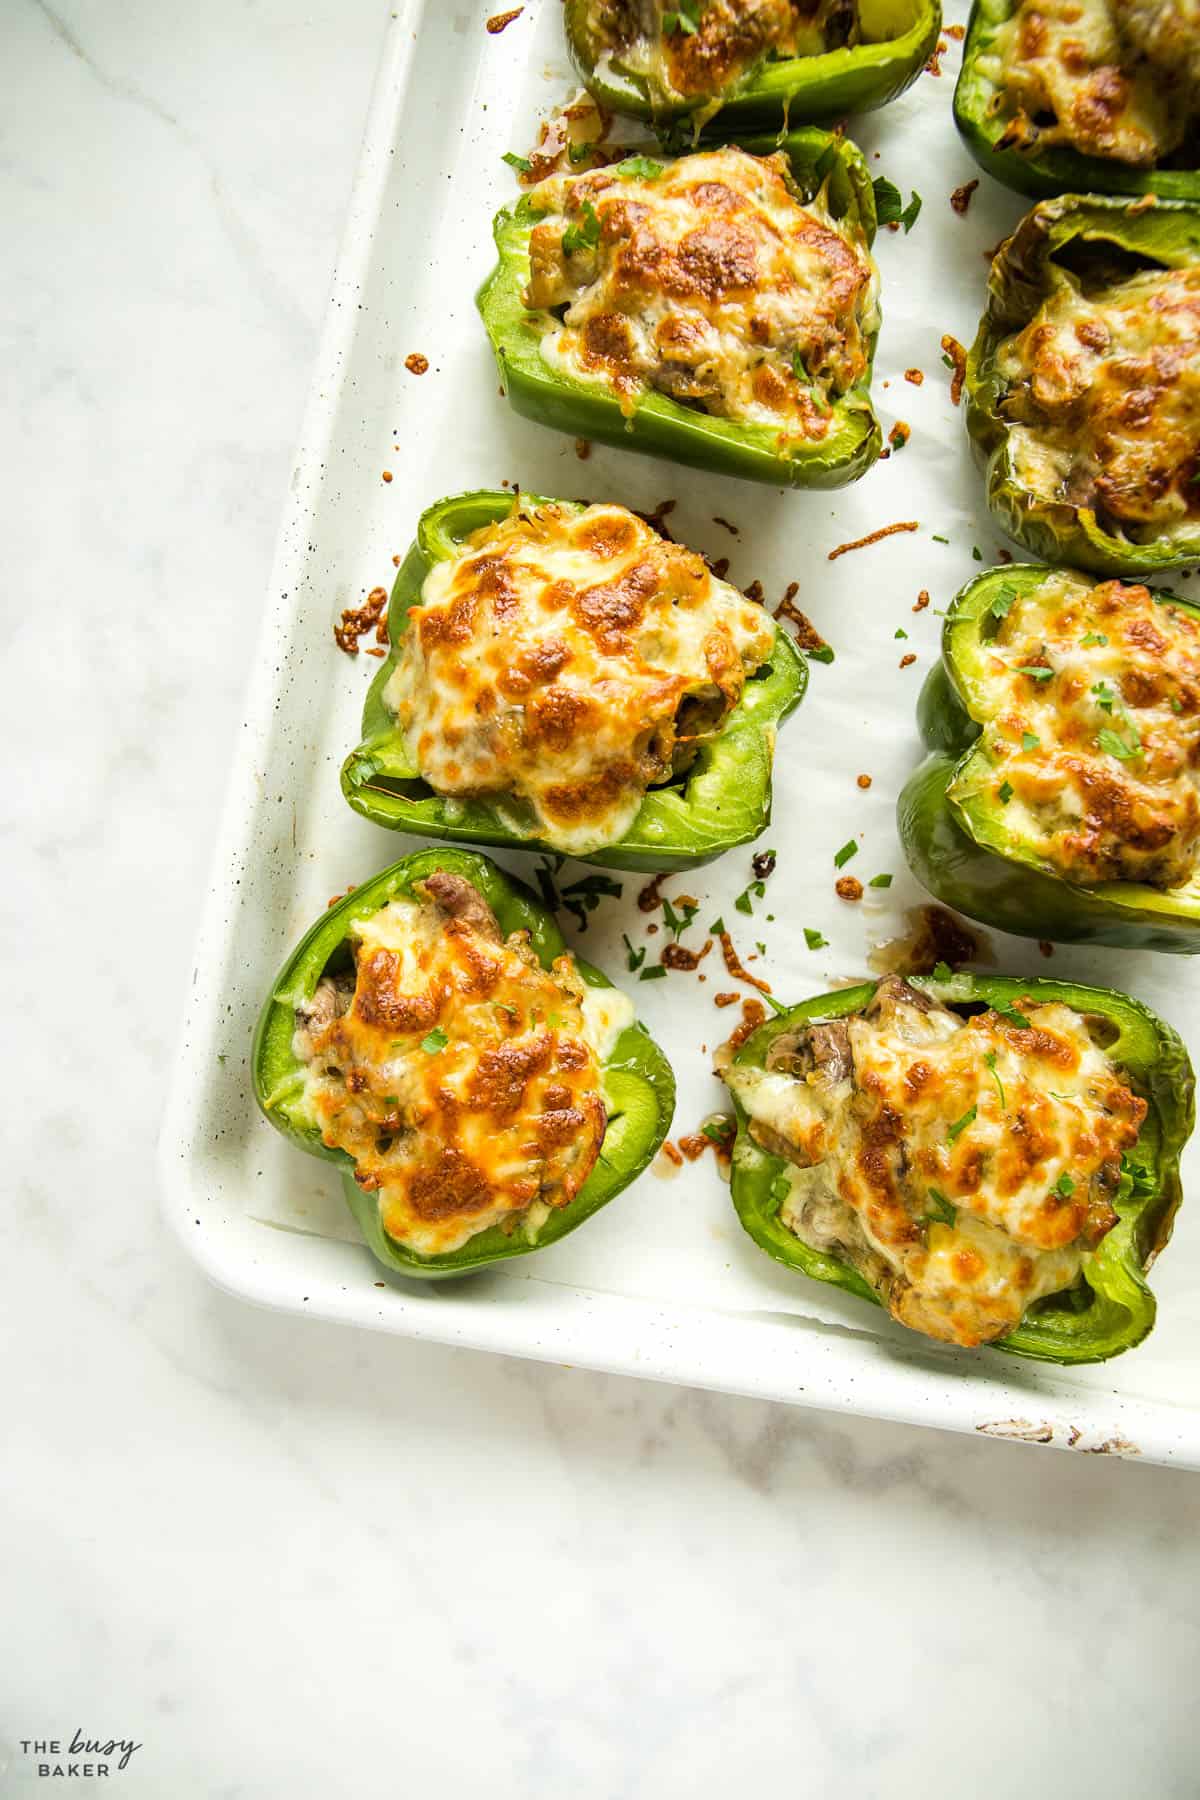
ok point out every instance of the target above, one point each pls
(939, 1208)
(655, 972)
(848, 849)
(889, 205)
(976, 552)
(1004, 601)
(1004, 1011)
(960, 1125)
(989, 1063)
(678, 922)
(940, 540)
(1064, 1186)
(583, 897)
(504, 1007)
(744, 902)
(521, 164)
(1118, 746)
(585, 235)
(683, 21)
(900, 632)
(640, 168)
(760, 947)
(880, 881)
(391, 1099)
(436, 1040)
(1029, 741)
(1176, 704)
(577, 153)
(634, 958)
(814, 939)
(718, 1131)
(1035, 672)
(1105, 698)
(547, 886)
(1004, 792)
(802, 375)
(717, 928)
(1092, 637)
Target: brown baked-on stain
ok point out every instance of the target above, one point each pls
(678, 956)
(356, 621)
(848, 887)
(899, 435)
(935, 935)
(753, 1015)
(582, 449)
(958, 357)
(734, 965)
(668, 1150)
(807, 636)
(957, 32)
(922, 600)
(864, 782)
(934, 65)
(656, 520)
(416, 364)
(960, 199)
(499, 21)
(874, 537)
(907, 660)
(916, 376)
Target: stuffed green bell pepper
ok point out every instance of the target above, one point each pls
(1061, 794)
(994, 1161)
(482, 1090)
(1099, 97)
(1083, 385)
(755, 62)
(562, 678)
(720, 309)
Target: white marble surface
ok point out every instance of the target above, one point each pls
(289, 1559)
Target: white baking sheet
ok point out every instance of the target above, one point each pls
(662, 1283)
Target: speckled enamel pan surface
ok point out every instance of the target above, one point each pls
(664, 1282)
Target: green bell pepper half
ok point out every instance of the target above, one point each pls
(639, 1085)
(723, 799)
(898, 36)
(960, 846)
(658, 424)
(1112, 1308)
(1058, 169)
(1023, 273)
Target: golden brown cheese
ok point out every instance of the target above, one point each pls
(965, 1168)
(729, 37)
(461, 1076)
(1104, 400)
(710, 282)
(1074, 72)
(564, 663)
(1167, 34)
(1095, 753)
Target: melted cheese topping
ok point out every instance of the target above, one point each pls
(1095, 755)
(564, 663)
(964, 1168)
(1104, 399)
(462, 1077)
(1099, 75)
(1167, 34)
(731, 36)
(710, 282)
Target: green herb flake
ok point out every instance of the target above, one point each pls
(719, 1131)
(940, 540)
(640, 168)
(889, 205)
(880, 881)
(1029, 741)
(521, 164)
(633, 958)
(745, 900)
(1035, 672)
(900, 632)
(1004, 792)
(842, 856)
(1004, 1011)
(1176, 704)
(1092, 637)
(585, 235)
(678, 922)
(683, 21)
(655, 972)
(1064, 1187)
(955, 1131)
(814, 939)
(989, 1063)
(435, 1041)
(1004, 601)
(1105, 698)
(1118, 746)
(580, 898)
(717, 928)
(976, 553)
(939, 1210)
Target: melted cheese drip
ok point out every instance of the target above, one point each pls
(1104, 399)
(962, 1168)
(1126, 678)
(497, 1125)
(1084, 64)
(711, 283)
(564, 663)
(732, 36)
